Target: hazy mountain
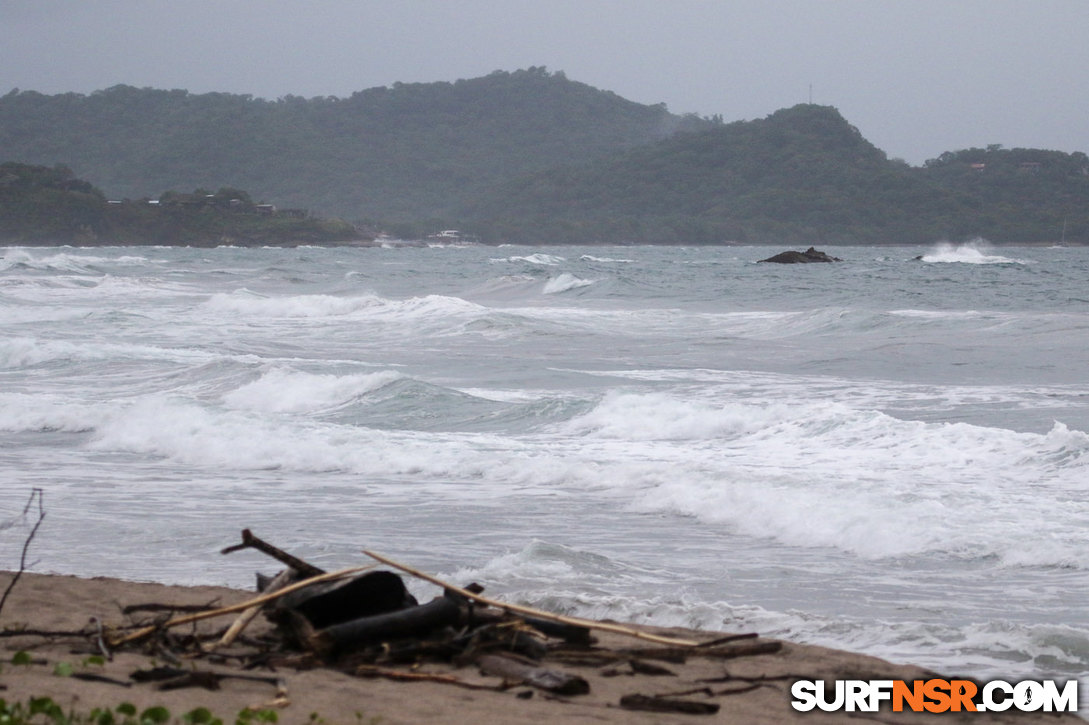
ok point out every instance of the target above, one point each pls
(801, 175)
(533, 157)
(406, 152)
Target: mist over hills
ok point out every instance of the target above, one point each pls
(532, 157)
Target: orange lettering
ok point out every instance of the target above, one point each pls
(962, 692)
(912, 695)
(937, 692)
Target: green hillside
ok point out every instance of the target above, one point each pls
(802, 175)
(42, 205)
(404, 153)
(533, 157)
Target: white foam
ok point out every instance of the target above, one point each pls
(548, 260)
(974, 252)
(240, 440)
(646, 417)
(564, 283)
(823, 474)
(286, 391)
(245, 302)
(64, 261)
(25, 352)
(21, 412)
(591, 258)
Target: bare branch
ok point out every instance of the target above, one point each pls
(40, 495)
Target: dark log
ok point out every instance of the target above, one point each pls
(366, 595)
(727, 638)
(664, 704)
(249, 541)
(413, 622)
(569, 633)
(560, 683)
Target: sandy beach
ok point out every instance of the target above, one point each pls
(749, 689)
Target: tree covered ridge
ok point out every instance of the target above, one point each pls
(402, 153)
(49, 205)
(801, 175)
(530, 156)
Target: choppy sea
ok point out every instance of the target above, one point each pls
(889, 454)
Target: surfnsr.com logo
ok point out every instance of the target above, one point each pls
(935, 695)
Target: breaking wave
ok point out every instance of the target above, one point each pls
(975, 252)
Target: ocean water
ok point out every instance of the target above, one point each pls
(889, 454)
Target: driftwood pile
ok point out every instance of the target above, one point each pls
(364, 622)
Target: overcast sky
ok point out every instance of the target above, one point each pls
(917, 77)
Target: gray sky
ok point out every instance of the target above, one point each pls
(917, 77)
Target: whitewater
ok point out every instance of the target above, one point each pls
(887, 454)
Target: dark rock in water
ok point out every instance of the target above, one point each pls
(809, 255)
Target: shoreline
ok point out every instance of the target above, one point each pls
(749, 689)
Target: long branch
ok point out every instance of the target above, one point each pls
(241, 606)
(573, 621)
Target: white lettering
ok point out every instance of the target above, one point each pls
(1065, 701)
(857, 695)
(822, 697)
(880, 690)
(805, 695)
(998, 705)
(1028, 696)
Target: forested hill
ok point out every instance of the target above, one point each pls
(802, 175)
(41, 205)
(530, 156)
(406, 152)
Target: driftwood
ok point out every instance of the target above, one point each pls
(596, 657)
(403, 676)
(277, 583)
(362, 623)
(512, 670)
(640, 667)
(741, 649)
(413, 622)
(241, 606)
(93, 677)
(249, 541)
(366, 595)
(572, 621)
(666, 704)
(569, 633)
(173, 678)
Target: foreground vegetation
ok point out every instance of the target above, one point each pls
(44, 711)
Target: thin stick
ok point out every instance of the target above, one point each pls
(403, 676)
(278, 582)
(572, 621)
(241, 606)
(40, 493)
